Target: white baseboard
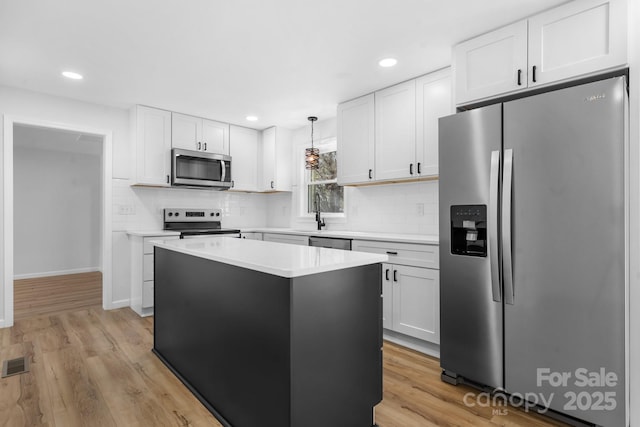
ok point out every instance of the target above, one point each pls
(412, 343)
(118, 304)
(56, 273)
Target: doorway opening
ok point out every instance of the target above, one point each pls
(56, 218)
(57, 205)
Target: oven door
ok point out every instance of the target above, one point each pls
(198, 169)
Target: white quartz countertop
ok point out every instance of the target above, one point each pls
(279, 259)
(152, 233)
(426, 239)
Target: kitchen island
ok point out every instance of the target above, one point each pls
(271, 334)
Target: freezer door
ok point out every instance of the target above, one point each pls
(470, 311)
(565, 328)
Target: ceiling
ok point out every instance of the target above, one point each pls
(280, 60)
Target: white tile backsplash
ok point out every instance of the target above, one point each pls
(393, 208)
(238, 209)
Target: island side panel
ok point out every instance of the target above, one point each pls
(225, 330)
(336, 339)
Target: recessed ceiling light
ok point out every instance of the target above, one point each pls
(388, 62)
(252, 118)
(72, 75)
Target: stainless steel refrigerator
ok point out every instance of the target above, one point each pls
(534, 251)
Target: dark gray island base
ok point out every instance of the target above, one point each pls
(263, 350)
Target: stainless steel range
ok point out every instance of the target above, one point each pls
(196, 222)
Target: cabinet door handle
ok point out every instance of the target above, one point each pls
(167, 179)
(232, 183)
(386, 275)
(205, 146)
(392, 253)
(519, 77)
(410, 168)
(533, 77)
(370, 171)
(419, 171)
(272, 184)
(395, 275)
(199, 145)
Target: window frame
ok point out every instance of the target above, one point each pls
(325, 145)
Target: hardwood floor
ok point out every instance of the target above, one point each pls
(414, 395)
(54, 294)
(91, 367)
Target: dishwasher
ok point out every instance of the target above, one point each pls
(330, 242)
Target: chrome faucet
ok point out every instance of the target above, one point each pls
(319, 220)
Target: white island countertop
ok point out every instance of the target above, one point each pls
(279, 259)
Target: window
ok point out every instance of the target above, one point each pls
(321, 185)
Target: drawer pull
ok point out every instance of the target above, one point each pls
(392, 253)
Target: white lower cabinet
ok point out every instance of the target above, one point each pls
(411, 301)
(286, 238)
(141, 296)
(410, 288)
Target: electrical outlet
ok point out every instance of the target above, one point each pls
(420, 209)
(126, 210)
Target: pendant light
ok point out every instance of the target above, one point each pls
(312, 155)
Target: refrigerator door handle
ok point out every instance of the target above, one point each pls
(492, 227)
(507, 262)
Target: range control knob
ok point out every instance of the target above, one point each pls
(170, 213)
(217, 213)
(177, 214)
(211, 214)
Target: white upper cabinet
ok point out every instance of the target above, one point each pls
(268, 181)
(492, 64)
(393, 134)
(276, 160)
(244, 154)
(356, 130)
(433, 100)
(153, 145)
(195, 133)
(576, 39)
(186, 131)
(215, 137)
(395, 131)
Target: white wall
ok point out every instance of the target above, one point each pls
(392, 208)
(57, 211)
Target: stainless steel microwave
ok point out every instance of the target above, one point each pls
(200, 170)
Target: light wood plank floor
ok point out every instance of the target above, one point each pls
(45, 295)
(92, 367)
